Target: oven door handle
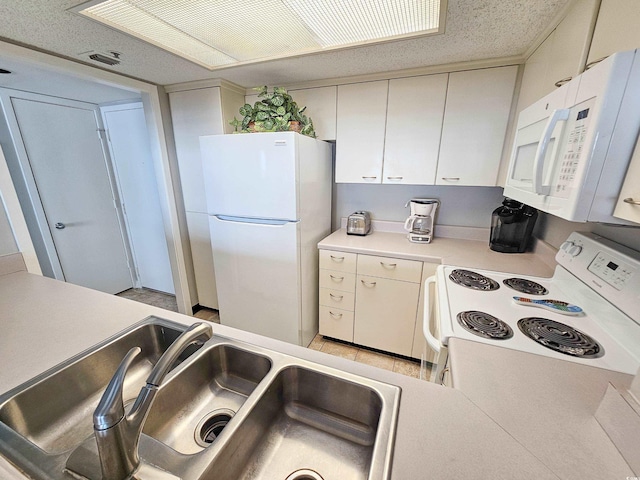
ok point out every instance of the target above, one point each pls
(432, 341)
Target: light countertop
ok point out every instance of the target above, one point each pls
(460, 252)
(547, 404)
(441, 434)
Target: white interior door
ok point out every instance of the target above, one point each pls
(131, 155)
(68, 164)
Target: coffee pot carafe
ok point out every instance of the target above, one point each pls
(420, 222)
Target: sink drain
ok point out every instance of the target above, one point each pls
(304, 474)
(212, 425)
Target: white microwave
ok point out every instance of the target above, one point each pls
(572, 147)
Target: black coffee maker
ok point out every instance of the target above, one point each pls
(511, 226)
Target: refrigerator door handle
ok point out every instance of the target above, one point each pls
(260, 221)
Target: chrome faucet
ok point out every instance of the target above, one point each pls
(117, 434)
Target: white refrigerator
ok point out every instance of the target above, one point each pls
(269, 204)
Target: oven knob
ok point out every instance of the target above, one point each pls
(566, 246)
(575, 250)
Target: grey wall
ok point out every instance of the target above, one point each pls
(464, 206)
(554, 231)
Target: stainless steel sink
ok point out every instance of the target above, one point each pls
(55, 412)
(229, 411)
(306, 421)
(192, 408)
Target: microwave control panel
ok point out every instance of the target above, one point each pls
(570, 161)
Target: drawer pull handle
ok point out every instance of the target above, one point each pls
(336, 279)
(336, 297)
(369, 178)
(337, 316)
(451, 179)
(395, 178)
(631, 201)
(336, 259)
(388, 265)
(368, 284)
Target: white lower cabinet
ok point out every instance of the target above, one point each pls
(371, 300)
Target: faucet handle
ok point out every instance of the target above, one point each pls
(110, 410)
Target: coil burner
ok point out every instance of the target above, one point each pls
(560, 337)
(473, 280)
(484, 325)
(523, 285)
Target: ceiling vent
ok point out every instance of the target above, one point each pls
(111, 58)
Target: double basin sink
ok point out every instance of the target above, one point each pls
(228, 410)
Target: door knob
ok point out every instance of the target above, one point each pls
(60, 226)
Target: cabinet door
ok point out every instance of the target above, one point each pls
(385, 314)
(571, 42)
(616, 28)
(630, 209)
(475, 123)
(202, 255)
(360, 130)
(414, 124)
(321, 107)
(194, 113)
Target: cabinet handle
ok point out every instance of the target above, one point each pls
(337, 316)
(444, 372)
(631, 201)
(368, 284)
(336, 279)
(336, 297)
(591, 64)
(451, 179)
(562, 81)
(369, 178)
(336, 259)
(395, 178)
(388, 265)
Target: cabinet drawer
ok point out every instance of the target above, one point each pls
(392, 268)
(345, 282)
(337, 299)
(338, 261)
(336, 323)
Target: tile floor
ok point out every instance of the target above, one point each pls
(403, 366)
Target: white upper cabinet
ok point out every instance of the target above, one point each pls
(414, 123)
(561, 56)
(361, 115)
(628, 204)
(321, 107)
(475, 122)
(616, 29)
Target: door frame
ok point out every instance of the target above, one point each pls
(157, 114)
(27, 172)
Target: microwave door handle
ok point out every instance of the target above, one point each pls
(432, 341)
(538, 164)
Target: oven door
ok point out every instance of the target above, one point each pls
(435, 351)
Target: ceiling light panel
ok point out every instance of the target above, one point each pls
(218, 33)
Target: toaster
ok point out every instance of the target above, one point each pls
(359, 223)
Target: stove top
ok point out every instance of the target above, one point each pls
(590, 338)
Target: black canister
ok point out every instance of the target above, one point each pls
(511, 226)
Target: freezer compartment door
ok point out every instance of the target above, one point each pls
(257, 275)
(251, 175)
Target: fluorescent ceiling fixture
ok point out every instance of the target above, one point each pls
(220, 33)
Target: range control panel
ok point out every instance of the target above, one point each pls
(612, 270)
(608, 268)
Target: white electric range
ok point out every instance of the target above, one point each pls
(598, 276)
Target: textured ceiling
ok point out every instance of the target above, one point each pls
(475, 30)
